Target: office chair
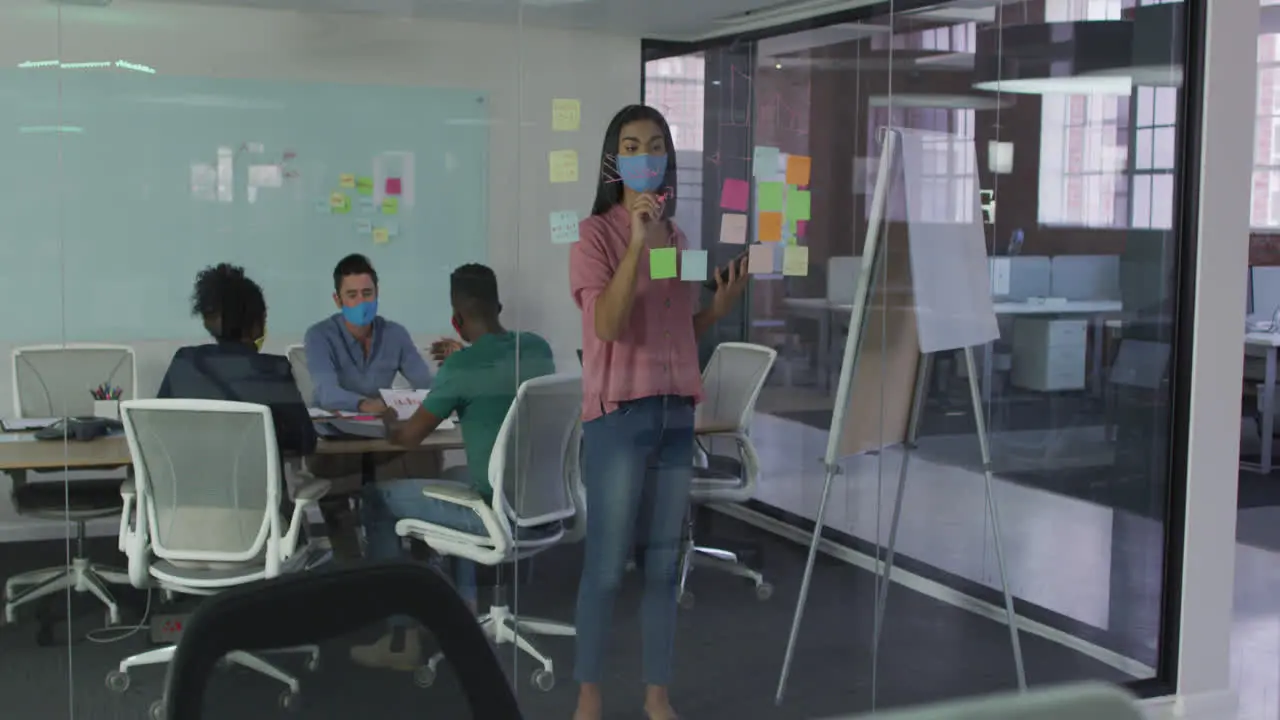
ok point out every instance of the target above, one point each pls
(534, 472)
(301, 375)
(315, 606)
(203, 512)
(731, 384)
(54, 381)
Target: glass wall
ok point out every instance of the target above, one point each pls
(364, 302)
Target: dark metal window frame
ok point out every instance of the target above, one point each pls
(1186, 221)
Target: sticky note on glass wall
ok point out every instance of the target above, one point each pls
(346, 180)
(381, 236)
(364, 185)
(733, 229)
(564, 166)
(364, 227)
(760, 260)
(769, 196)
(764, 162)
(566, 114)
(734, 195)
(693, 265)
(564, 227)
(795, 260)
(339, 204)
(798, 204)
(394, 186)
(769, 226)
(798, 169)
(662, 263)
(390, 206)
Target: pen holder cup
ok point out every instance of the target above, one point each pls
(109, 409)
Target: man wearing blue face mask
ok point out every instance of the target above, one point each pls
(355, 353)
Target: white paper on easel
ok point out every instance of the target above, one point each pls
(950, 274)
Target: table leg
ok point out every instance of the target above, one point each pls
(1268, 403)
(988, 367)
(368, 468)
(1099, 338)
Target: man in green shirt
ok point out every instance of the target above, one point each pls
(478, 383)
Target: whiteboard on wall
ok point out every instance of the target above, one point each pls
(122, 185)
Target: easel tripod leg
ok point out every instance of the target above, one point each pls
(980, 421)
(804, 584)
(884, 574)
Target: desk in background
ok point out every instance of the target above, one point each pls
(1266, 343)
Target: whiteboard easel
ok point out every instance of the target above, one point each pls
(975, 325)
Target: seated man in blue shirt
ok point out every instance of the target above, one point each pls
(478, 383)
(354, 353)
(235, 314)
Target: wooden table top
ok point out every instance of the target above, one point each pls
(21, 451)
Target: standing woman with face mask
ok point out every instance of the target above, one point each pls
(640, 383)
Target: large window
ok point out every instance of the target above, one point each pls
(1265, 209)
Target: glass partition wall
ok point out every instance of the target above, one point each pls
(1066, 166)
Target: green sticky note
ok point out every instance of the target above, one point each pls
(662, 263)
(798, 207)
(769, 197)
(390, 206)
(364, 185)
(341, 207)
(793, 228)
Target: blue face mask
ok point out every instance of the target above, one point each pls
(643, 173)
(362, 314)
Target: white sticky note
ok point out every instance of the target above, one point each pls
(760, 261)
(693, 265)
(764, 162)
(733, 229)
(564, 227)
(795, 260)
(364, 227)
(366, 204)
(392, 229)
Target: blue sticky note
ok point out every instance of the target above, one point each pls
(366, 204)
(693, 265)
(364, 227)
(764, 162)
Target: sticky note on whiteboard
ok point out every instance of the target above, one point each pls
(564, 227)
(760, 261)
(733, 229)
(564, 166)
(381, 236)
(347, 180)
(566, 114)
(390, 206)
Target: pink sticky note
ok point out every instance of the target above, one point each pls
(734, 195)
(760, 261)
(393, 186)
(802, 228)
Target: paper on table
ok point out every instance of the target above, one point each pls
(318, 413)
(760, 261)
(693, 265)
(769, 226)
(769, 197)
(405, 402)
(564, 166)
(564, 227)
(566, 114)
(733, 229)
(19, 424)
(764, 163)
(798, 169)
(734, 195)
(795, 260)
(662, 263)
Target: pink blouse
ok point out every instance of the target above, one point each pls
(656, 352)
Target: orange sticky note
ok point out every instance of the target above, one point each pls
(769, 227)
(798, 169)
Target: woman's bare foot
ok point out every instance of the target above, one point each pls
(657, 705)
(590, 704)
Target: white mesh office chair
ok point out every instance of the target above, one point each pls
(534, 472)
(301, 375)
(731, 385)
(55, 381)
(203, 512)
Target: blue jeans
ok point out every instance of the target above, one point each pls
(384, 503)
(637, 464)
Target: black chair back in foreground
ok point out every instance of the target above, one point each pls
(324, 605)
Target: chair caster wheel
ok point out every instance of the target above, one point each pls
(686, 600)
(112, 617)
(764, 591)
(156, 711)
(313, 663)
(544, 680)
(117, 682)
(289, 700)
(424, 676)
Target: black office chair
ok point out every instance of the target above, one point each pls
(321, 606)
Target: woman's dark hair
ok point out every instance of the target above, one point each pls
(231, 304)
(609, 189)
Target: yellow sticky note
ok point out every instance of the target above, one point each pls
(564, 166)
(769, 226)
(381, 236)
(390, 206)
(662, 263)
(795, 260)
(336, 200)
(566, 114)
(347, 180)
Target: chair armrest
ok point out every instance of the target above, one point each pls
(311, 490)
(128, 489)
(454, 492)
